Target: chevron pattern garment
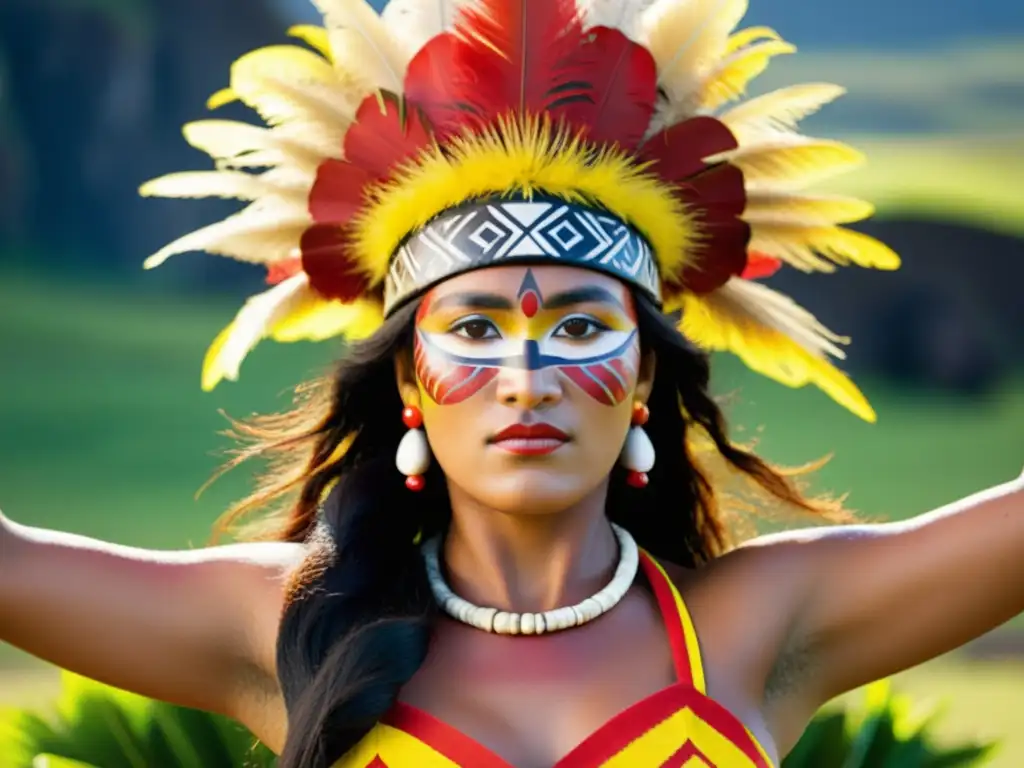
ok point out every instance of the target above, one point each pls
(676, 727)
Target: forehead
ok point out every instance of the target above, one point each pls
(508, 281)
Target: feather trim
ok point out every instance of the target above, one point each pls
(251, 325)
(811, 247)
(525, 156)
(773, 336)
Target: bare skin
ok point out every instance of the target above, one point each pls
(785, 622)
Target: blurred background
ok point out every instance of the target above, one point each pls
(103, 427)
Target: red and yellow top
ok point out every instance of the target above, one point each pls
(676, 727)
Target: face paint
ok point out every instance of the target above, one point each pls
(455, 362)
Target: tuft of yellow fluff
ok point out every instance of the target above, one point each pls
(522, 155)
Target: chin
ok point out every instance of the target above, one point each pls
(532, 491)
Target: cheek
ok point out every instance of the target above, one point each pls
(445, 381)
(610, 380)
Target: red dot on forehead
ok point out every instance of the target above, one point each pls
(529, 303)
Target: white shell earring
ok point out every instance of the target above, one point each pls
(638, 452)
(413, 456)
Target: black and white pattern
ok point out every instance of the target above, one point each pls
(490, 233)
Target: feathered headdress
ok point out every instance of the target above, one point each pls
(447, 135)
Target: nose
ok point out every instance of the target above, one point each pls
(529, 386)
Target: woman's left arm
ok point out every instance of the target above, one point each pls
(870, 601)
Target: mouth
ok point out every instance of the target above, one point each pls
(530, 439)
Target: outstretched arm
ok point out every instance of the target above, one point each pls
(865, 602)
(196, 628)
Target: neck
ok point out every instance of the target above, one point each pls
(529, 562)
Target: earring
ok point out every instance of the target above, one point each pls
(413, 457)
(638, 452)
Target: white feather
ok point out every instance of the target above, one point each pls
(414, 22)
(241, 145)
(623, 15)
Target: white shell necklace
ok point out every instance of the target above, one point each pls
(508, 623)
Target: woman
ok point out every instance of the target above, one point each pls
(514, 210)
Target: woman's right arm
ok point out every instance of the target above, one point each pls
(196, 628)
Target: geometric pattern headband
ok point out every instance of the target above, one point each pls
(516, 231)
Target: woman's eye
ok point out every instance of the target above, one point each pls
(476, 330)
(580, 328)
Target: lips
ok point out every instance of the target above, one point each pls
(530, 439)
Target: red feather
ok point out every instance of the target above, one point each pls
(280, 271)
(386, 131)
(337, 193)
(760, 265)
(504, 56)
(327, 259)
(678, 151)
(624, 84)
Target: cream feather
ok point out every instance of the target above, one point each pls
(774, 336)
(240, 145)
(252, 324)
(807, 247)
(686, 39)
(363, 47)
(287, 185)
(806, 209)
(315, 37)
(788, 161)
(260, 234)
(779, 111)
(414, 22)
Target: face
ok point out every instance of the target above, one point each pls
(526, 378)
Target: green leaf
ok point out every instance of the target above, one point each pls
(54, 761)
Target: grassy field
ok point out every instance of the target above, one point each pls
(104, 431)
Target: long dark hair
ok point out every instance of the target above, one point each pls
(357, 622)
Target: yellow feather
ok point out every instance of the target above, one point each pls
(790, 161)
(316, 319)
(805, 209)
(220, 98)
(364, 48)
(745, 37)
(729, 80)
(801, 245)
(252, 324)
(314, 36)
(779, 110)
(773, 336)
(260, 234)
(522, 156)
